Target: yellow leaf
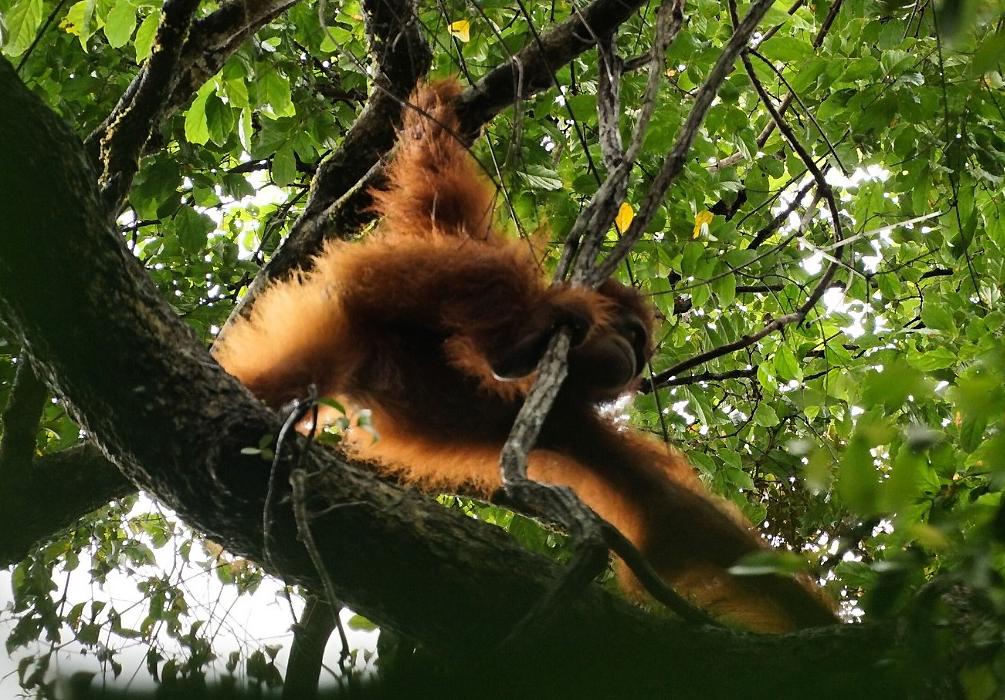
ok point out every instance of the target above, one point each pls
(624, 218)
(461, 29)
(701, 220)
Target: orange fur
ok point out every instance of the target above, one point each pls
(419, 321)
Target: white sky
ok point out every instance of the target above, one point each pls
(239, 623)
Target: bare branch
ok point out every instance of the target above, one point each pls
(818, 41)
(765, 232)
(609, 101)
(700, 377)
(74, 482)
(211, 41)
(673, 164)
(806, 110)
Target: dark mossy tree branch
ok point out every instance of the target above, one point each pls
(139, 381)
(123, 140)
(211, 41)
(54, 492)
(531, 70)
(39, 497)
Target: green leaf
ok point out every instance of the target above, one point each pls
(219, 120)
(245, 130)
(358, 622)
(693, 252)
(861, 69)
(980, 681)
(196, 122)
(119, 23)
(284, 166)
(192, 229)
(725, 289)
(972, 432)
(541, 178)
(989, 54)
(904, 484)
(894, 61)
(740, 479)
(701, 406)
(979, 394)
(936, 315)
(155, 185)
(786, 364)
(79, 21)
(236, 91)
(891, 387)
(275, 92)
(931, 360)
(703, 462)
(787, 48)
(21, 21)
(145, 36)
(731, 458)
(818, 469)
(765, 416)
(765, 562)
(856, 478)
(700, 296)
(766, 378)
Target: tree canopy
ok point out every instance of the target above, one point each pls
(809, 193)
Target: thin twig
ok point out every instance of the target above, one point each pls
(295, 414)
(825, 191)
(806, 110)
(673, 164)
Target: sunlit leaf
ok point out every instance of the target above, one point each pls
(145, 36)
(461, 29)
(119, 23)
(624, 218)
(701, 221)
(20, 24)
